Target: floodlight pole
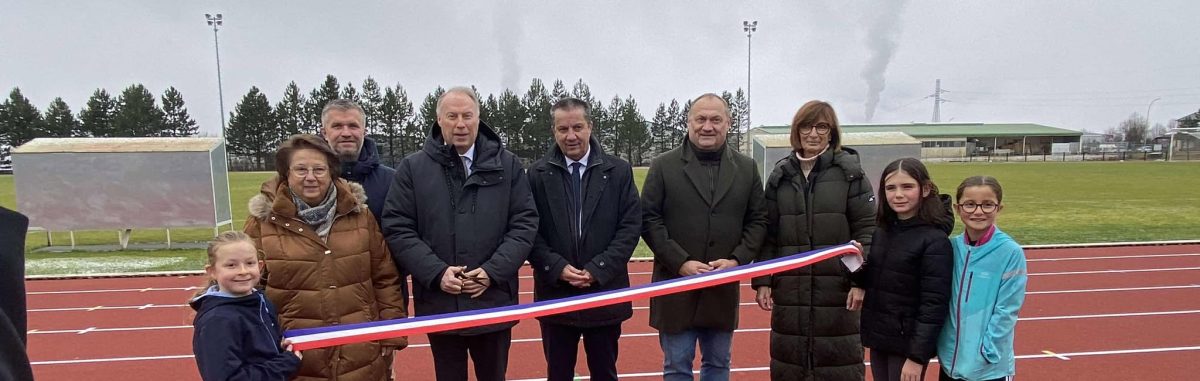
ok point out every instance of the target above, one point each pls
(215, 22)
(749, 27)
(1148, 127)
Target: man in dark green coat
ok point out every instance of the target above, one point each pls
(702, 210)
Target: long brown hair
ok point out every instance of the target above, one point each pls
(809, 114)
(221, 240)
(931, 210)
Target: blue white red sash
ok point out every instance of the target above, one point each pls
(311, 338)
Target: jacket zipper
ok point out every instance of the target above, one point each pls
(812, 279)
(958, 309)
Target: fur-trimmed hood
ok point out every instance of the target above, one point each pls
(275, 197)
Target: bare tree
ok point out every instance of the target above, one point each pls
(1134, 129)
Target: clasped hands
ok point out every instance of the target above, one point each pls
(457, 280)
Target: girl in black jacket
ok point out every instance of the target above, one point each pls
(907, 274)
(236, 334)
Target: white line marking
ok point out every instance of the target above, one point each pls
(107, 290)
(94, 329)
(1058, 356)
(1112, 257)
(70, 309)
(1118, 271)
(1037, 356)
(85, 330)
(86, 361)
(1112, 289)
(1128, 314)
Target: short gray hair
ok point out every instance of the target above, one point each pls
(344, 105)
(728, 115)
(469, 92)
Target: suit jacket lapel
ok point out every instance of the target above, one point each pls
(556, 196)
(696, 173)
(597, 182)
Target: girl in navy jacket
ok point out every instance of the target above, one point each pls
(907, 274)
(236, 331)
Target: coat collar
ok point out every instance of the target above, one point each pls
(696, 173)
(275, 198)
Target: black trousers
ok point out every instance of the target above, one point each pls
(887, 366)
(942, 376)
(488, 352)
(561, 345)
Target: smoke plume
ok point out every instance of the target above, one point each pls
(883, 31)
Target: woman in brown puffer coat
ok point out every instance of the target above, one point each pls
(326, 261)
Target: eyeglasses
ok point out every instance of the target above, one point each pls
(315, 171)
(822, 129)
(987, 207)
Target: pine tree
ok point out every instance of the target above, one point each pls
(681, 121)
(536, 130)
(371, 101)
(20, 121)
(176, 121)
(632, 132)
(289, 114)
(59, 121)
(137, 113)
(508, 119)
(395, 112)
(251, 132)
(742, 106)
(429, 109)
(96, 119)
(660, 130)
(559, 92)
(733, 136)
(487, 109)
(317, 100)
(350, 93)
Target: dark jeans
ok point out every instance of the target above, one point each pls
(886, 366)
(489, 353)
(942, 376)
(561, 346)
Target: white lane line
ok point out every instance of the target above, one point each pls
(94, 329)
(1058, 356)
(1112, 257)
(1113, 289)
(117, 359)
(109, 290)
(746, 330)
(1127, 314)
(1047, 292)
(1021, 357)
(1118, 271)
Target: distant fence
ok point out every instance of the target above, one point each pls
(1067, 157)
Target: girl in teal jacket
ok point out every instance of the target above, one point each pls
(976, 343)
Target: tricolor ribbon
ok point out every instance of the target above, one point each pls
(311, 338)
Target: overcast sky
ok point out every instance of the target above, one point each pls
(1070, 64)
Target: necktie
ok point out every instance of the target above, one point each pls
(577, 199)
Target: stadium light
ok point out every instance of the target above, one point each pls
(215, 22)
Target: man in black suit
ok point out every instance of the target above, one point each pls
(590, 219)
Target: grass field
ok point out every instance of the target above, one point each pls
(1044, 203)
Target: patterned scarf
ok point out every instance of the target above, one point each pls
(320, 216)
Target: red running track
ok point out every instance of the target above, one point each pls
(1113, 313)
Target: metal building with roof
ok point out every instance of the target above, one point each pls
(964, 139)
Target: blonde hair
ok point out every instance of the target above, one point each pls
(221, 240)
